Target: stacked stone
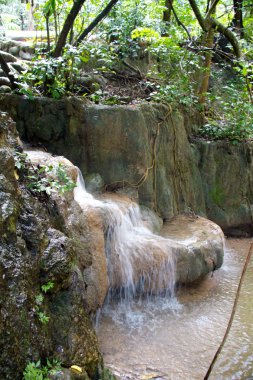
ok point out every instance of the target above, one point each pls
(15, 53)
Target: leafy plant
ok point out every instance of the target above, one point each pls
(46, 287)
(36, 371)
(45, 178)
(146, 34)
(173, 93)
(39, 299)
(43, 318)
(20, 160)
(50, 179)
(229, 113)
(245, 69)
(53, 77)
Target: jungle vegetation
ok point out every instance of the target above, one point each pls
(198, 53)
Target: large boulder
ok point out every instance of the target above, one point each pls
(204, 246)
(36, 248)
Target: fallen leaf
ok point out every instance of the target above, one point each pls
(16, 175)
(76, 368)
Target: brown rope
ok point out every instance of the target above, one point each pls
(232, 313)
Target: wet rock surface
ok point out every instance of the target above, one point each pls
(212, 179)
(135, 254)
(204, 246)
(52, 238)
(36, 247)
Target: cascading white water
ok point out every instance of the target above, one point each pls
(138, 261)
(178, 342)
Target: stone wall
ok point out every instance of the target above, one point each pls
(147, 151)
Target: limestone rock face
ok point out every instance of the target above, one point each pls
(85, 226)
(84, 246)
(145, 148)
(35, 248)
(227, 179)
(204, 246)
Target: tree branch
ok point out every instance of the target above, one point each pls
(96, 21)
(212, 8)
(178, 21)
(229, 35)
(77, 5)
(200, 18)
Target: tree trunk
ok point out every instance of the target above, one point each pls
(209, 24)
(30, 17)
(167, 16)
(55, 26)
(167, 12)
(48, 32)
(96, 21)
(77, 5)
(206, 69)
(238, 18)
(229, 35)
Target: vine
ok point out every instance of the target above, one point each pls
(246, 263)
(124, 183)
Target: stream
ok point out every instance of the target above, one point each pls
(177, 339)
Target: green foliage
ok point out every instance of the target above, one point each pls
(43, 318)
(105, 57)
(134, 33)
(44, 78)
(59, 182)
(53, 77)
(43, 179)
(230, 112)
(245, 70)
(146, 34)
(174, 93)
(50, 7)
(39, 299)
(237, 131)
(46, 287)
(36, 371)
(12, 14)
(33, 371)
(102, 97)
(20, 160)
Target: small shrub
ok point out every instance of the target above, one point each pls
(39, 299)
(45, 178)
(36, 371)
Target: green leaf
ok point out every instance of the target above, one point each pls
(46, 287)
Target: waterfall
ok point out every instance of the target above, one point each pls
(138, 261)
